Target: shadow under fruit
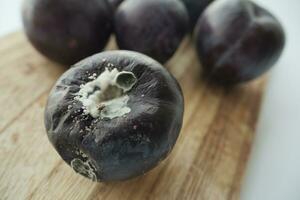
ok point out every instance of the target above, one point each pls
(195, 8)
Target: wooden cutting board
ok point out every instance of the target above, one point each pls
(207, 163)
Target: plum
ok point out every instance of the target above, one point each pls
(69, 30)
(238, 41)
(153, 27)
(195, 8)
(115, 115)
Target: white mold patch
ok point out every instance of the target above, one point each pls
(105, 96)
(84, 168)
(115, 108)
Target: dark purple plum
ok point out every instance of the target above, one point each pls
(195, 8)
(67, 31)
(238, 41)
(115, 115)
(153, 27)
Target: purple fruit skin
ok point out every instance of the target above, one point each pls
(238, 41)
(130, 145)
(69, 30)
(154, 27)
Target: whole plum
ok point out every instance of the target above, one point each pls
(238, 41)
(67, 31)
(153, 27)
(115, 115)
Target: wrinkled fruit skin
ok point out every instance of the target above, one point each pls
(154, 27)
(69, 30)
(123, 147)
(238, 41)
(195, 8)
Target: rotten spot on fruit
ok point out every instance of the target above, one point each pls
(125, 80)
(84, 168)
(105, 96)
(130, 145)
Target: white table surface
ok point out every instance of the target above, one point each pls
(273, 171)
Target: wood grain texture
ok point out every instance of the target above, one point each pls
(207, 163)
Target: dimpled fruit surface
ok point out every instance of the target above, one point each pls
(115, 115)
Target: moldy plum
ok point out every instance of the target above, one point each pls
(238, 41)
(153, 27)
(114, 115)
(67, 31)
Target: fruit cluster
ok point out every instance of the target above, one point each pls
(236, 40)
(117, 114)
